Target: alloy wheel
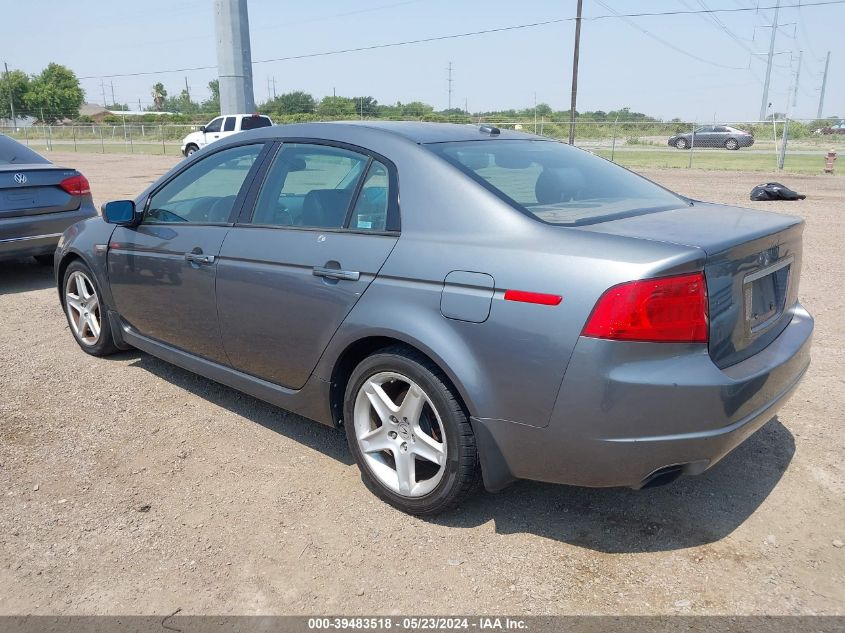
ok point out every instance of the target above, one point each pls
(400, 434)
(83, 308)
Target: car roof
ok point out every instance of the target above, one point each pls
(415, 131)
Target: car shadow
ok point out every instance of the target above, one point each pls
(690, 512)
(24, 275)
(329, 441)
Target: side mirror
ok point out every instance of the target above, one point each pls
(120, 212)
(202, 128)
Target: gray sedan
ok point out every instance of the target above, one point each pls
(713, 136)
(38, 201)
(466, 303)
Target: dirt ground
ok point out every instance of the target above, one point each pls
(131, 486)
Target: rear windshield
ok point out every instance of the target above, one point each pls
(13, 153)
(556, 183)
(253, 122)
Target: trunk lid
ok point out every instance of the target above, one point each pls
(752, 267)
(33, 189)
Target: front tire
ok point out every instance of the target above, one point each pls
(409, 434)
(191, 149)
(681, 143)
(86, 314)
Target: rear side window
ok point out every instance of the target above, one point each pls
(254, 122)
(309, 186)
(554, 182)
(14, 153)
(229, 125)
(370, 212)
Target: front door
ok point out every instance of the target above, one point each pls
(324, 223)
(212, 131)
(162, 272)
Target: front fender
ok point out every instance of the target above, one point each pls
(88, 240)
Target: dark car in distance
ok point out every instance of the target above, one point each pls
(465, 302)
(38, 201)
(713, 136)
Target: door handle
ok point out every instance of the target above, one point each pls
(335, 273)
(199, 258)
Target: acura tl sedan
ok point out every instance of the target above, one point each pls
(38, 201)
(468, 304)
(713, 136)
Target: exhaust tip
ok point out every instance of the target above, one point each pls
(663, 476)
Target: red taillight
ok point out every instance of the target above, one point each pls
(667, 309)
(76, 185)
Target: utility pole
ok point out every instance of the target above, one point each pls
(274, 87)
(234, 56)
(12, 97)
(112, 94)
(449, 80)
(535, 113)
(797, 79)
(575, 74)
(824, 85)
(103, 89)
(764, 104)
(187, 89)
(793, 87)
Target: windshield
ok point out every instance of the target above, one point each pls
(13, 153)
(556, 183)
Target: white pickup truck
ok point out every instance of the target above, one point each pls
(222, 127)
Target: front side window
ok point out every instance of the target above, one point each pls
(309, 186)
(229, 125)
(554, 182)
(204, 193)
(214, 126)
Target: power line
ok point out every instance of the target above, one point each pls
(666, 42)
(440, 38)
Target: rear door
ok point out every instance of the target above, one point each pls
(289, 272)
(162, 272)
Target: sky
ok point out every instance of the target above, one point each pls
(686, 66)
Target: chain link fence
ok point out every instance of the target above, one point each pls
(797, 146)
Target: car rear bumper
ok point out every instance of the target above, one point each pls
(624, 417)
(30, 235)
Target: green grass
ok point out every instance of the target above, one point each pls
(707, 159)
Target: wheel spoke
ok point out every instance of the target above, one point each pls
(384, 406)
(405, 471)
(428, 448)
(412, 406)
(81, 289)
(375, 441)
(94, 325)
(74, 302)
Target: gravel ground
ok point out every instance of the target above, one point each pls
(131, 486)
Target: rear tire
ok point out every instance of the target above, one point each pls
(44, 260)
(87, 315)
(426, 433)
(732, 144)
(681, 143)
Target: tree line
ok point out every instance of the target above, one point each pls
(55, 94)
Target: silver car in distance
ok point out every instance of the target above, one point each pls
(467, 303)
